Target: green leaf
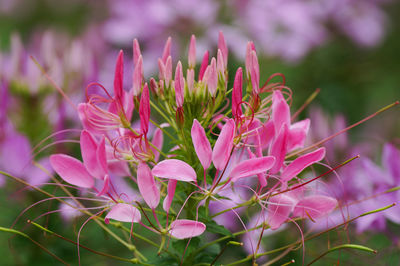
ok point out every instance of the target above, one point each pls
(213, 227)
(180, 246)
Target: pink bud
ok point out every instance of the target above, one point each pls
(220, 63)
(137, 77)
(250, 47)
(192, 52)
(213, 78)
(201, 144)
(223, 146)
(255, 73)
(136, 52)
(237, 94)
(168, 70)
(204, 64)
(144, 110)
(167, 50)
(179, 85)
(280, 111)
(222, 46)
(119, 77)
(147, 186)
(190, 80)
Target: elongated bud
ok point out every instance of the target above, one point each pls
(119, 77)
(137, 77)
(204, 64)
(192, 52)
(190, 80)
(255, 73)
(153, 86)
(237, 94)
(250, 47)
(179, 85)
(136, 52)
(220, 63)
(212, 81)
(168, 70)
(167, 50)
(144, 110)
(222, 46)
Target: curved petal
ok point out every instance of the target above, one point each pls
(171, 192)
(71, 170)
(279, 148)
(201, 144)
(147, 186)
(223, 146)
(301, 163)
(280, 111)
(158, 140)
(174, 169)
(314, 206)
(124, 213)
(279, 209)
(252, 167)
(182, 229)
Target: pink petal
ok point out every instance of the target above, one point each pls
(201, 144)
(279, 209)
(266, 133)
(248, 61)
(203, 66)
(252, 167)
(137, 77)
(168, 70)
(301, 163)
(136, 52)
(223, 146)
(280, 111)
(174, 169)
(220, 63)
(190, 80)
(167, 50)
(144, 110)
(255, 73)
(237, 94)
(222, 46)
(182, 229)
(391, 161)
(192, 52)
(212, 82)
(147, 186)
(71, 170)
(157, 141)
(119, 76)
(315, 206)
(297, 134)
(89, 155)
(106, 185)
(124, 213)
(170, 196)
(102, 157)
(278, 149)
(179, 85)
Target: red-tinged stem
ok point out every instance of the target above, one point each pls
(343, 130)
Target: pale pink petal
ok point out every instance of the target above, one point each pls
(147, 186)
(179, 85)
(301, 163)
(89, 155)
(170, 194)
(222, 46)
(190, 80)
(192, 52)
(201, 144)
(123, 212)
(248, 61)
(106, 185)
(220, 63)
(297, 134)
(314, 206)
(174, 169)
(279, 209)
(71, 170)
(136, 51)
(212, 81)
(252, 167)
(182, 229)
(158, 140)
(279, 148)
(255, 73)
(223, 146)
(280, 111)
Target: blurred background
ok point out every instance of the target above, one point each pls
(346, 48)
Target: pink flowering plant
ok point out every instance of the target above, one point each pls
(190, 165)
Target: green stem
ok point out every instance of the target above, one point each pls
(345, 246)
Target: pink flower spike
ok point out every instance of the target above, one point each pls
(201, 144)
(157, 141)
(144, 110)
(279, 148)
(167, 50)
(182, 229)
(223, 146)
(299, 164)
(190, 80)
(179, 85)
(89, 155)
(174, 169)
(280, 111)
(203, 66)
(137, 78)
(222, 46)
(170, 194)
(71, 170)
(192, 52)
(314, 206)
(123, 212)
(212, 82)
(220, 63)
(147, 186)
(255, 73)
(237, 94)
(136, 52)
(119, 77)
(251, 167)
(279, 209)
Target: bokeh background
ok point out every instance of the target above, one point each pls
(346, 48)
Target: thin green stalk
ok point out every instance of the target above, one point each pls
(345, 246)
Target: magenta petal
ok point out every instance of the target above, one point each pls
(223, 146)
(279, 209)
(252, 167)
(201, 144)
(174, 169)
(280, 111)
(237, 94)
(124, 213)
(144, 110)
(301, 163)
(266, 133)
(179, 85)
(182, 229)
(147, 186)
(279, 148)
(137, 77)
(314, 206)
(119, 77)
(170, 196)
(203, 66)
(71, 170)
